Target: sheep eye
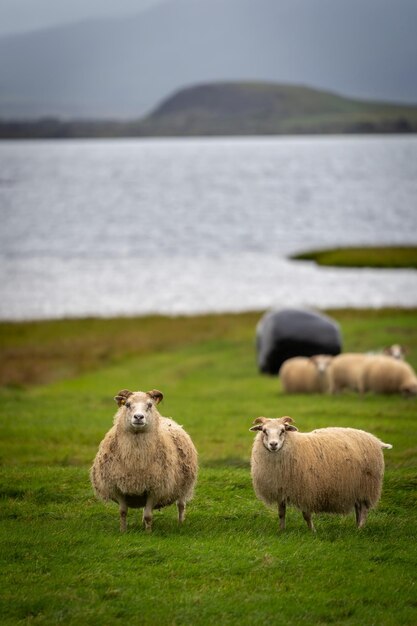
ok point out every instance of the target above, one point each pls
(128, 405)
(149, 405)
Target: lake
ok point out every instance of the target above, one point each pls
(173, 226)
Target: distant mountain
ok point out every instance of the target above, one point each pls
(238, 109)
(124, 67)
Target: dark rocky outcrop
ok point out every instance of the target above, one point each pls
(283, 334)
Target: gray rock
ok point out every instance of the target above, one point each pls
(283, 334)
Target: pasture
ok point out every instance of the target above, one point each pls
(62, 557)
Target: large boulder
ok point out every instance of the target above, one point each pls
(283, 334)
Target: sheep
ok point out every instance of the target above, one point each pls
(383, 374)
(145, 460)
(396, 351)
(305, 374)
(331, 470)
(345, 371)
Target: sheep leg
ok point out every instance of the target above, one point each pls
(282, 507)
(147, 515)
(361, 512)
(307, 517)
(181, 511)
(123, 515)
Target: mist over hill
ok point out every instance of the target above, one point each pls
(122, 68)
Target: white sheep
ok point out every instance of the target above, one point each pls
(383, 374)
(345, 371)
(145, 460)
(329, 470)
(306, 374)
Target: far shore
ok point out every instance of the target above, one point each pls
(384, 257)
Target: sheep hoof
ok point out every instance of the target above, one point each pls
(147, 524)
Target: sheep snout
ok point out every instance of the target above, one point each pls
(138, 420)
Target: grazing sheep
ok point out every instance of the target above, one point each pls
(306, 374)
(383, 374)
(329, 470)
(145, 460)
(345, 371)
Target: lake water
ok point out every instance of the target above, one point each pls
(125, 227)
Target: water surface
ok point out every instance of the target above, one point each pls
(176, 226)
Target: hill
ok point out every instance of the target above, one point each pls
(121, 68)
(270, 109)
(236, 109)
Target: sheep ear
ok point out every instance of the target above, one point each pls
(122, 396)
(288, 423)
(258, 424)
(156, 395)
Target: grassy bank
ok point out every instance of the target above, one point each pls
(62, 557)
(380, 257)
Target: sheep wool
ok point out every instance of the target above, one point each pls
(384, 374)
(145, 460)
(328, 470)
(345, 371)
(306, 374)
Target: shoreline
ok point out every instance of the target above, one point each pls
(374, 257)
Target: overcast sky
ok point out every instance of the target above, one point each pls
(24, 15)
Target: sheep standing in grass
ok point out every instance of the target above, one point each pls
(145, 460)
(306, 374)
(329, 470)
(345, 371)
(383, 374)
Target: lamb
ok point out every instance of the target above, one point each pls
(145, 460)
(383, 374)
(331, 470)
(345, 371)
(306, 374)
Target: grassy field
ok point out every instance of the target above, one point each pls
(386, 257)
(62, 558)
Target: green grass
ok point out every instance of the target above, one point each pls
(380, 257)
(62, 559)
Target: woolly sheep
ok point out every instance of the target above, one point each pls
(145, 460)
(383, 374)
(345, 371)
(331, 470)
(305, 374)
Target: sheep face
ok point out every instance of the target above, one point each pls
(409, 390)
(273, 431)
(138, 409)
(396, 351)
(322, 362)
